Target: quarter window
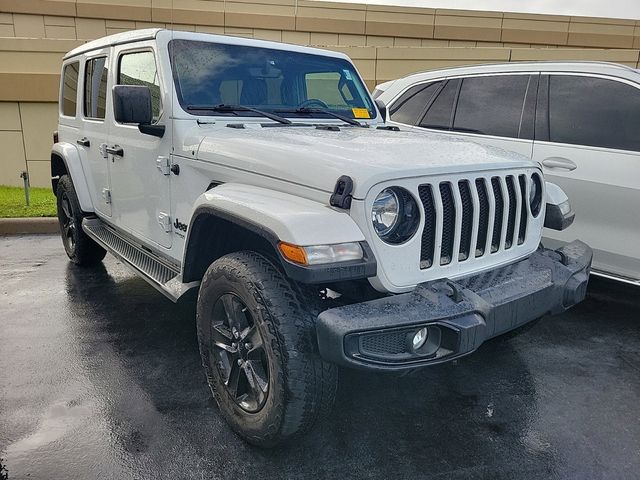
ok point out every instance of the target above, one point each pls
(491, 105)
(69, 98)
(410, 106)
(594, 111)
(95, 88)
(439, 114)
(139, 68)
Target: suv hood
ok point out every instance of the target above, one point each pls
(316, 158)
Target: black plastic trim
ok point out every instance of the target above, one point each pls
(555, 220)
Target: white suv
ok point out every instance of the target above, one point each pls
(578, 120)
(261, 175)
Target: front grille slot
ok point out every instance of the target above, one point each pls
(448, 223)
(470, 218)
(499, 211)
(429, 231)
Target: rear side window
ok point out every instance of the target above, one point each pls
(594, 111)
(491, 105)
(69, 98)
(412, 104)
(95, 88)
(440, 113)
(139, 68)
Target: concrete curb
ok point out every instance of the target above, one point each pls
(15, 226)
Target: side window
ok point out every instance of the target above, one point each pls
(69, 98)
(491, 105)
(594, 111)
(439, 114)
(139, 68)
(95, 88)
(410, 106)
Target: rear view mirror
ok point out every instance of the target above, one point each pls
(132, 104)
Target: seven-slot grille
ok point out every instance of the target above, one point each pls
(470, 218)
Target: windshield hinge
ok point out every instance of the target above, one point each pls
(164, 165)
(341, 196)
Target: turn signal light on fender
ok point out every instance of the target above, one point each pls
(293, 253)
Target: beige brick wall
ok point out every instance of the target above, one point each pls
(385, 42)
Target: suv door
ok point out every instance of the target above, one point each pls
(495, 110)
(140, 175)
(588, 143)
(92, 135)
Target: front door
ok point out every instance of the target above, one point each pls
(139, 175)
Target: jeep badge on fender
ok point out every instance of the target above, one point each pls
(315, 236)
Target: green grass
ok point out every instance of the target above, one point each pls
(12, 205)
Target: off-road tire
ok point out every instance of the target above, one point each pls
(80, 248)
(302, 386)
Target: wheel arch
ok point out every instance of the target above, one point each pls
(65, 160)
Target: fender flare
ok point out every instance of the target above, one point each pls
(69, 154)
(279, 217)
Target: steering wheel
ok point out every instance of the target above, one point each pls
(310, 102)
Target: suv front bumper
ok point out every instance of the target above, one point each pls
(459, 315)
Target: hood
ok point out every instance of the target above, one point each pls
(316, 158)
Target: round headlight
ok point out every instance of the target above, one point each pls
(395, 215)
(535, 194)
(384, 214)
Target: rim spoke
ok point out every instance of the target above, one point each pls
(222, 338)
(253, 337)
(257, 384)
(232, 381)
(66, 208)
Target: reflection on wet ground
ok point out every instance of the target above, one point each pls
(100, 378)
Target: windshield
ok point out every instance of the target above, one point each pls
(281, 81)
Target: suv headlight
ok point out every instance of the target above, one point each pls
(535, 194)
(395, 215)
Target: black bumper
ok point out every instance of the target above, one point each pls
(459, 315)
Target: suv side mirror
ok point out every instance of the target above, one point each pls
(132, 104)
(382, 108)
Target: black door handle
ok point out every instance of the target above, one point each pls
(115, 150)
(84, 141)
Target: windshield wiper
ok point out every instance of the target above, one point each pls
(348, 120)
(239, 108)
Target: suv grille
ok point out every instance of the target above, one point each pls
(489, 214)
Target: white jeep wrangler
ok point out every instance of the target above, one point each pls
(261, 175)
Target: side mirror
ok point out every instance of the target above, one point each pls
(132, 104)
(382, 108)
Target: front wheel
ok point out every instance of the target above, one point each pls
(257, 342)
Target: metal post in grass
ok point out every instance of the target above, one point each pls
(25, 178)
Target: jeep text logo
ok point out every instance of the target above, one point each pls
(179, 225)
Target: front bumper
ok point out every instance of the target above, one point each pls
(459, 315)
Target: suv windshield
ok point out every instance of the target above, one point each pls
(288, 83)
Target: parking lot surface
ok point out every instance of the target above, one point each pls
(100, 378)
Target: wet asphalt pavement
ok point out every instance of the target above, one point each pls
(100, 379)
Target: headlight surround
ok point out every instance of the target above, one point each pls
(535, 194)
(395, 215)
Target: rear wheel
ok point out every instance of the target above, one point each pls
(80, 249)
(257, 342)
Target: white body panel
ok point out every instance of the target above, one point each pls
(603, 184)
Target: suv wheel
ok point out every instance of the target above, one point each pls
(258, 347)
(80, 249)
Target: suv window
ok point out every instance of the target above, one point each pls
(95, 87)
(439, 114)
(70, 89)
(594, 111)
(410, 106)
(491, 105)
(139, 68)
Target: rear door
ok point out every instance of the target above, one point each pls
(93, 132)
(140, 175)
(588, 143)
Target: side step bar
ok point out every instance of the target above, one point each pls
(157, 272)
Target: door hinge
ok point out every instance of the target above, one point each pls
(165, 221)
(164, 165)
(106, 194)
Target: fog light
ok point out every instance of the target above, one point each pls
(419, 338)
